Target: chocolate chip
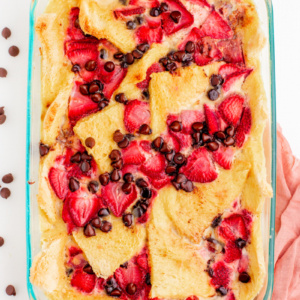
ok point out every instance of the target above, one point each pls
(127, 219)
(93, 88)
(176, 126)
(206, 138)
(154, 12)
(84, 89)
(3, 72)
(115, 175)
(223, 291)
(175, 16)
(130, 25)
(147, 279)
(244, 277)
(90, 142)
(2, 119)
(216, 80)
(44, 149)
(170, 156)
(1, 241)
(131, 288)
(229, 141)
(165, 148)
(117, 164)
(180, 178)
(196, 138)
(137, 54)
(171, 67)
(116, 293)
(103, 53)
(10, 290)
(126, 188)
(85, 156)
(103, 212)
(179, 159)
(88, 269)
(146, 193)
(220, 135)
(73, 184)
(2, 110)
(76, 158)
(164, 61)
(213, 146)
(96, 222)
(190, 47)
(197, 126)
(213, 94)
(143, 47)
(141, 183)
(171, 169)
(102, 104)
(187, 186)
(109, 66)
(163, 7)
(145, 129)
(106, 226)
(112, 282)
(91, 65)
(97, 97)
(129, 59)
(85, 166)
(6, 33)
(210, 272)
(124, 65)
(137, 212)
(93, 186)
(121, 98)
(5, 193)
(139, 20)
(13, 51)
(115, 155)
(240, 243)
(124, 143)
(119, 55)
(104, 179)
(76, 68)
(216, 221)
(179, 56)
(89, 230)
(157, 143)
(146, 94)
(176, 185)
(230, 130)
(128, 177)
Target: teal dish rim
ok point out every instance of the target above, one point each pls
(270, 284)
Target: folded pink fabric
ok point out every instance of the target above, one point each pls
(287, 242)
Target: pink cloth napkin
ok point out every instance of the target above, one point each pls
(287, 242)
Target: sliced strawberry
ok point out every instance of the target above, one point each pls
(142, 261)
(136, 114)
(192, 298)
(73, 251)
(188, 117)
(145, 3)
(231, 109)
(154, 166)
(199, 167)
(83, 281)
(74, 33)
(133, 154)
(160, 181)
(116, 199)
(67, 218)
(221, 275)
(200, 2)
(80, 106)
(129, 11)
(232, 51)
(59, 182)
(146, 145)
(146, 34)
(80, 45)
(172, 141)
(243, 264)
(216, 27)
(186, 20)
(131, 274)
(155, 68)
(82, 56)
(211, 119)
(243, 128)
(231, 79)
(229, 69)
(193, 36)
(232, 252)
(230, 296)
(224, 156)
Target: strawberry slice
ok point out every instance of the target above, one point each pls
(160, 181)
(232, 252)
(221, 275)
(211, 119)
(116, 199)
(73, 32)
(232, 51)
(155, 68)
(229, 69)
(231, 109)
(186, 20)
(136, 114)
(87, 43)
(148, 34)
(230, 296)
(59, 182)
(193, 36)
(142, 260)
(188, 117)
(145, 3)
(224, 156)
(67, 218)
(154, 166)
(73, 251)
(83, 281)
(243, 264)
(216, 27)
(244, 127)
(129, 11)
(172, 141)
(199, 167)
(200, 2)
(133, 154)
(80, 106)
(82, 206)
(233, 78)
(82, 56)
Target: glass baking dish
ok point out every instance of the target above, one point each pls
(265, 11)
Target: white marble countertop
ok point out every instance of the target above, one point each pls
(15, 14)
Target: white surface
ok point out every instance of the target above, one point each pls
(15, 14)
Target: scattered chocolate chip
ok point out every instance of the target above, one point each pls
(103, 212)
(2, 110)
(171, 67)
(93, 88)
(180, 178)
(125, 265)
(93, 186)
(179, 159)
(106, 226)
(176, 185)
(84, 89)
(145, 129)
(96, 222)
(196, 138)
(213, 94)
(73, 184)
(130, 25)
(137, 54)
(210, 272)
(129, 59)
(187, 186)
(88, 269)
(146, 193)
(91, 65)
(240, 243)
(97, 97)
(206, 138)
(223, 291)
(179, 56)
(157, 143)
(171, 169)
(102, 104)
(164, 61)
(117, 164)
(175, 16)
(165, 148)
(75, 68)
(127, 219)
(44, 149)
(216, 221)
(124, 65)
(220, 135)
(13, 51)
(176, 126)
(118, 136)
(170, 156)
(76, 158)
(3, 72)
(154, 12)
(147, 280)
(146, 94)
(141, 183)
(139, 20)
(143, 47)
(244, 277)
(197, 126)
(126, 188)
(124, 143)
(1, 241)
(104, 179)
(10, 290)
(216, 80)
(137, 211)
(131, 288)
(116, 293)
(229, 141)
(90, 142)
(128, 177)
(190, 47)
(109, 66)
(89, 230)
(2, 119)
(6, 33)
(119, 56)
(163, 7)
(115, 175)
(213, 146)
(85, 156)
(103, 54)
(230, 130)
(85, 166)
(115, 155)
(5, 193)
